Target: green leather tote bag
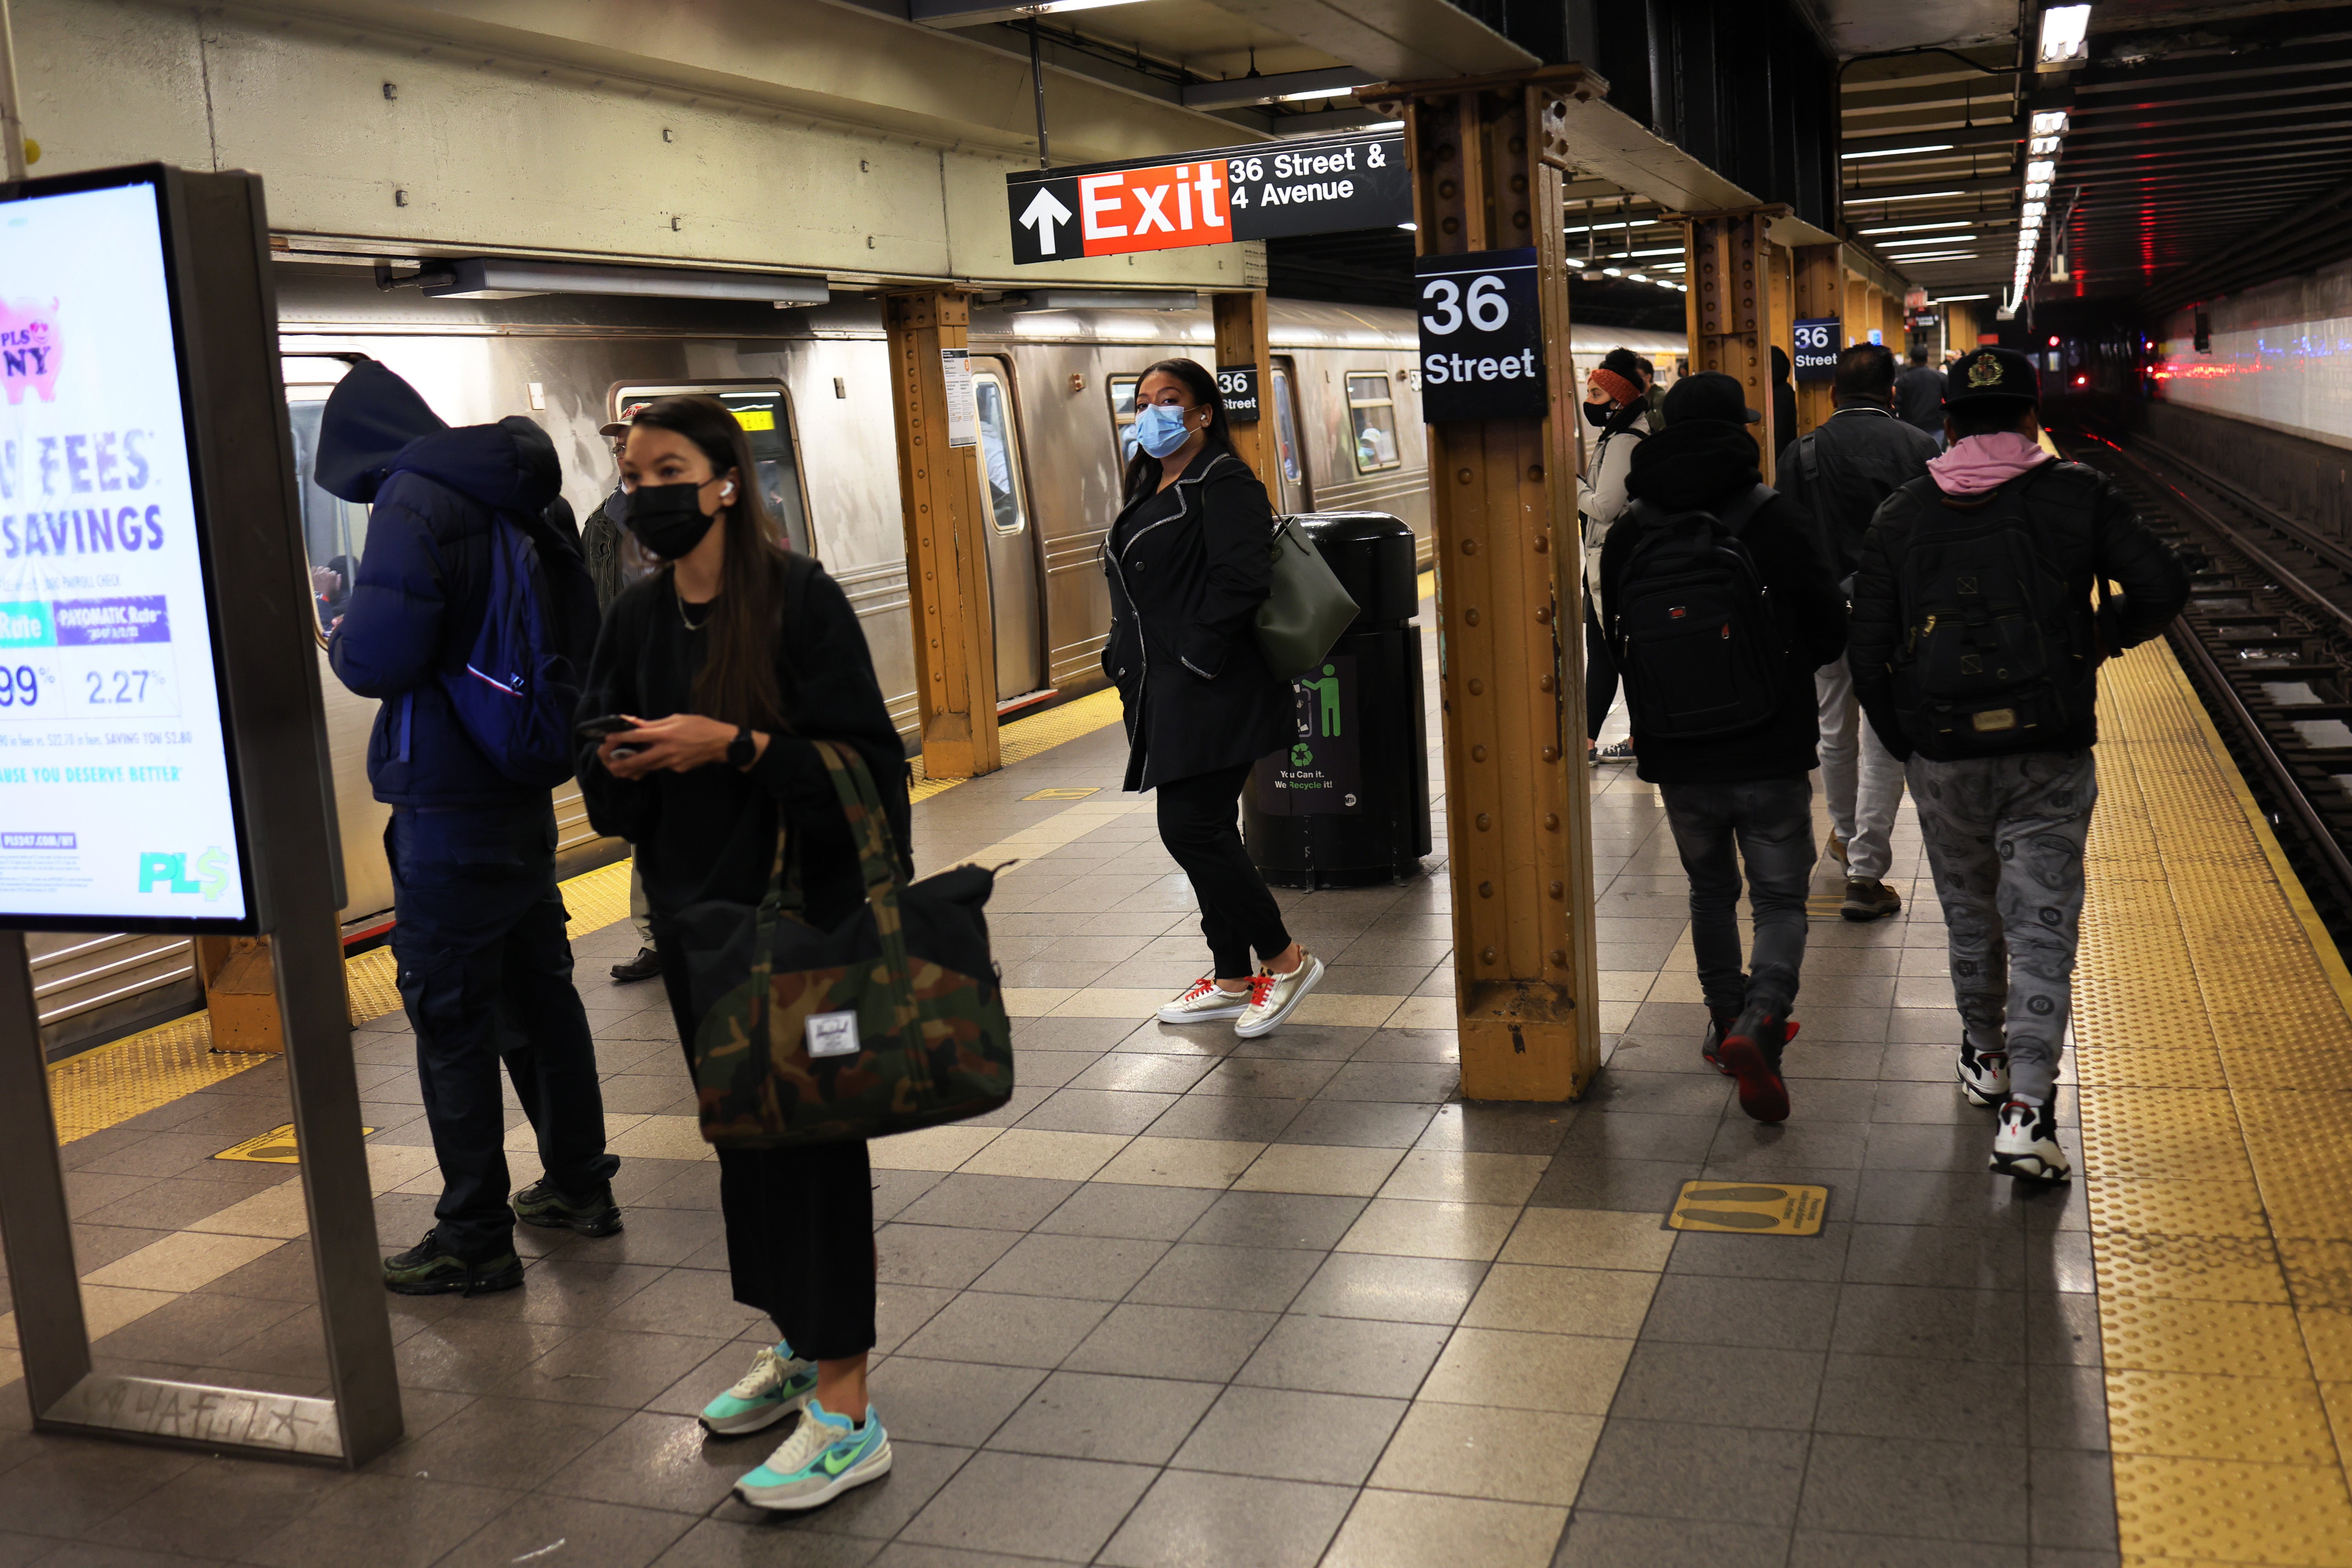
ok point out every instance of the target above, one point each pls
(1309, 609)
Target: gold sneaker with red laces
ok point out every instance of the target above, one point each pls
(1206, 1003)
(1273, 997)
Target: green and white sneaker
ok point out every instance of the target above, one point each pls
(824, 1457)
(773, 1388)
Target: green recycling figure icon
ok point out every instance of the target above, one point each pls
(1327, 690)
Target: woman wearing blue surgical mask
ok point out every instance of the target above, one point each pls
(1188, 564)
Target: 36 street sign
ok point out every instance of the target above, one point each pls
(1237, 387)
(1481, 337)
(1319, 185)
(1817, 348)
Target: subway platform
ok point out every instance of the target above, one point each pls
(1192, 1301)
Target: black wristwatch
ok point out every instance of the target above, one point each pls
(740, 751)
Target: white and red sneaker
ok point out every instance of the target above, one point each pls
(1206, 1003)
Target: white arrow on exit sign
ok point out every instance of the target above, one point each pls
(1043, 214)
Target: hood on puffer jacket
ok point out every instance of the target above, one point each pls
(375, 425)
(1694, 465)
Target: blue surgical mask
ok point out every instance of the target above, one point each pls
(1159, 428)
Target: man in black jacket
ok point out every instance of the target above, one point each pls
(1752, 788)
(1919, 396)
(2003, 774)
(485, 961)
(1840, 473)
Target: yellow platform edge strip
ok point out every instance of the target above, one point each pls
(2213, 1048)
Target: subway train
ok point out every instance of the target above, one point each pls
(1052, 390)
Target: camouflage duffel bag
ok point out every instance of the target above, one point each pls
(891, 1021)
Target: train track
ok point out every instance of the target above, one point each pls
(2267, 640)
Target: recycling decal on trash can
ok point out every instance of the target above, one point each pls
(1323, 771)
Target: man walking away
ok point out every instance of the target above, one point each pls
(1919, 396)
(1975, 652)
(613, 562)
(1718, 610)
(1840, 473)
(485, 964)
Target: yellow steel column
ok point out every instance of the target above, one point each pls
(1820, 292)
(1489, 156)
(1730, 310)
(1241, 326)
(947, 559)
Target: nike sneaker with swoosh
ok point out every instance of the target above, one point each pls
(824, 1457)
(775, 1387)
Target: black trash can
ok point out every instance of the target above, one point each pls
(1346, 804)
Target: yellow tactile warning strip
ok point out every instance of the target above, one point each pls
(2215, 1054)
(1025, 738)
(101, 1089)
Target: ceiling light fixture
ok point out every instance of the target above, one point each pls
(2065, 35)
(2048, 122)
(1927, 240)
(1915, 227)
(1898, 152)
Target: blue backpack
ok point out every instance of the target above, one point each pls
(518, 690)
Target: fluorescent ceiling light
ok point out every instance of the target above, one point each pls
(1898, 152)
(1916, 228)
(2043, 171)
(1956, 299)
(1864, 198)
(496, 278)
(2065, 31)
(1637, 278)
(2037, 190)
(1284, 87)
(1412, 226)
(1611, 272)
(1385, 125)
(1331, 92)
(1928, 239)
(2033, 212)
(1589, 228)
(973, 13)
(2043, 147)
(2048, 122)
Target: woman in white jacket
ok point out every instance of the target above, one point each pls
(1613, 403)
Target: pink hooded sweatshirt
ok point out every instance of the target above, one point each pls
(1977, 465)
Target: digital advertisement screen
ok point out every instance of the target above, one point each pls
(115, 798)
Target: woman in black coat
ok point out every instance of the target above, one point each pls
(1189, 562)
(728, 662)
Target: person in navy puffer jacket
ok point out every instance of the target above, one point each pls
(485, 963)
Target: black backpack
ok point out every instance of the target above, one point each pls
(1691, 623)
(1995, 653)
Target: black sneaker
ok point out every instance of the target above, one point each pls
(1867, 899)
(540, 1204)
(1718, 1025)
(425, 1269)
(1751, 1054)
(645, 966)
(2027, 1145)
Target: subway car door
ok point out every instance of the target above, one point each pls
(1016, 589)
(1292, 493)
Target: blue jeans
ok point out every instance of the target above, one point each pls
(486, 976)
(1771, 822)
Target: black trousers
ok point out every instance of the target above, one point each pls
(800, 1223)
(485, 977)
(1200, 823)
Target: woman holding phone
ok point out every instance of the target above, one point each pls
(1188, 561)
(726, 663)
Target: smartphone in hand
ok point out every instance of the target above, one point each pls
(606, 724)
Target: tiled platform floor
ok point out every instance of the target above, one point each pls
(1186, 1301)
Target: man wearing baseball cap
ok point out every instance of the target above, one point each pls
(1737, 780)
(1975, 651)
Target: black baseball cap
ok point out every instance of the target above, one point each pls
(1986, 377)
(1709, 395)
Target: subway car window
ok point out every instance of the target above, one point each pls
(1290, 462)
(334, 531)
(766, 417)
(999, 454)
(1122, 415)
(1374, 414)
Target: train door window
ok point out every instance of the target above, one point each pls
(334, 530)
(1000, 455)
(1122, 415)
(1290, 462)
(1373, 412)
(765, 411)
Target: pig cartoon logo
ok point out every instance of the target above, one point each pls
(29, 348)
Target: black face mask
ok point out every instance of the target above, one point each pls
(667, 519)
(1599, 414)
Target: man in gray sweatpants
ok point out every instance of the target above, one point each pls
(1974, 650)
